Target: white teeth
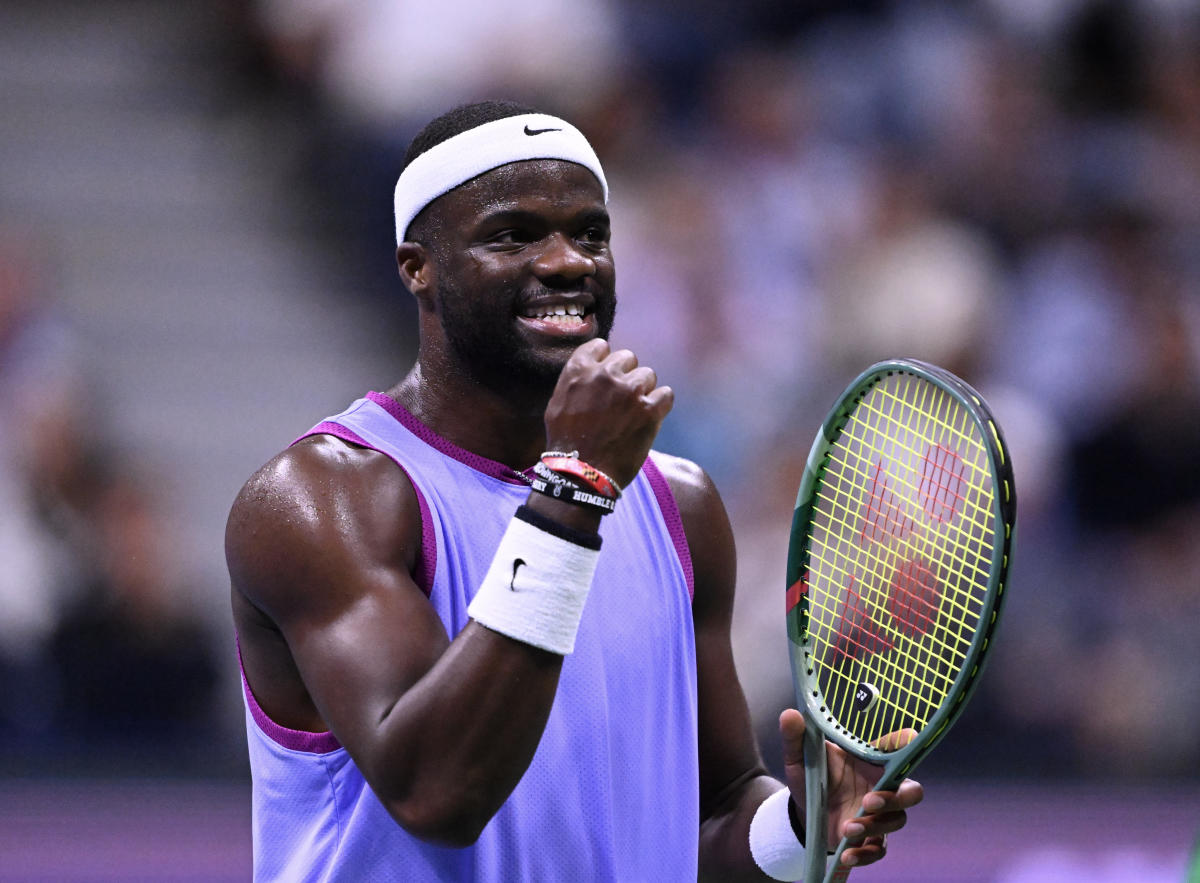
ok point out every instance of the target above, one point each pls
(554, 312)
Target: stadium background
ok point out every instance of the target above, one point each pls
(195, 266)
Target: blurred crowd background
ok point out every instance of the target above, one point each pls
(196, 265)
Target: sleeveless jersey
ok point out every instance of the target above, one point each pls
(612, 793)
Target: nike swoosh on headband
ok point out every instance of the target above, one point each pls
(529, 131)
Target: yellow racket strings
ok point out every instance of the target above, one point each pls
(899, 558)
(929, 682)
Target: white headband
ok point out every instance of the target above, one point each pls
(457, 160)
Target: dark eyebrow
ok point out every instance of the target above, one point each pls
(523, 218)
(595, 216)
(503, 217)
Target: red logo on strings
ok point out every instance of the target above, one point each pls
(943, 483)
(913, 598)
(883, 516)
(858, 634)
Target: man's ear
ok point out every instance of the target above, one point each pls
(416, 270)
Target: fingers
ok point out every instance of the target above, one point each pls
(884, 811)
(621, 361)
(660, 400)
(883, 814)
(877, 825)
(620, 364)
(642, 379)
(869, 851)
(791, 731)
(895, 741)
(867, 837)
(623, 364)
(595, 349)
(910, 793)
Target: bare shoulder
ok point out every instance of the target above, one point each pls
(706, 525)
(691, 486)
(321, 504)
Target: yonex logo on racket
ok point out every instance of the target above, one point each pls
(865, 696)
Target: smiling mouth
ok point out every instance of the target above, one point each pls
(561, 317)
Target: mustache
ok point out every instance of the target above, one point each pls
(581, 288)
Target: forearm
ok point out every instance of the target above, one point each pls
(480, 710)
(451, 750)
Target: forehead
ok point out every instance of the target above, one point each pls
(538, 185)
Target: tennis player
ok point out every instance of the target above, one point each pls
(484, 628)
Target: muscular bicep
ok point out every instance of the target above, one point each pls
(321, 544)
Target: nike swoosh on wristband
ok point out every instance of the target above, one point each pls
(516, 565)
(529, 131)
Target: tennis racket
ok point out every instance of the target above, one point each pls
(900, 545)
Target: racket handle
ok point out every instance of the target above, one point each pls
(816, 788)
(838, 873)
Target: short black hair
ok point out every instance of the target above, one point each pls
(461, 119)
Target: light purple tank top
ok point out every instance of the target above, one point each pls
(612, 793)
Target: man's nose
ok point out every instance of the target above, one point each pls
(562, 257)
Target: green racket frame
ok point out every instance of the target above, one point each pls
(822, 724)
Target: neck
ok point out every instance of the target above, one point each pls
(506, 427)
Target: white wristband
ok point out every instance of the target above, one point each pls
(536, 586)
(773, 843)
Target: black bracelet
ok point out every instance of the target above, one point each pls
(572, 493)
(584, 538)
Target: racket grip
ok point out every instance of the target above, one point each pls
(816, 788)
(838, 873)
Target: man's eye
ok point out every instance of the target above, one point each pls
(594, 236)
(508, 237)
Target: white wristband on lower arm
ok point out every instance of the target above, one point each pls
(536, 587)
(773, 843)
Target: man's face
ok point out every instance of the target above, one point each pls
(525, 273)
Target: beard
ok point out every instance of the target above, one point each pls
(486, 339)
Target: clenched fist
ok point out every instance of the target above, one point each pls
(608, 408)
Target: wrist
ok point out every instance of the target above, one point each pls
(535, 589)
(567, 514)
(796, 821)
(774, 845)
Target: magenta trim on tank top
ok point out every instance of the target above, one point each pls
(674, 522)
(427, 560)
(295, 740)
(493, 468)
